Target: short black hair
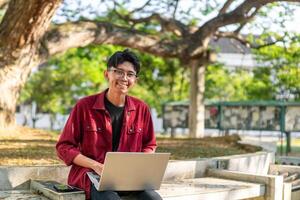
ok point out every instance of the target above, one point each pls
(120, 57)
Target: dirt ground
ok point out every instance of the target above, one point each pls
(27, 146)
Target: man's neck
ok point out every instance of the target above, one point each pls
(117, 100)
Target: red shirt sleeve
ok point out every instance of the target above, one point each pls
(68, 145)
(149, 140)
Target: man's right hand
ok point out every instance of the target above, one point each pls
(87, 162)
(97, 167)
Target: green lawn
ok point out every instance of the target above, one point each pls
(26, 146)
(295, 147)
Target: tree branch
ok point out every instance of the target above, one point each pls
(60, 38)
(140, 8)
(246, 42)
(225, 6)
(175, 9)
(170, 25)
(241, 14)
(251, 17)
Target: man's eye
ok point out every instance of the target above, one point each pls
(130, 75)
(119, 72)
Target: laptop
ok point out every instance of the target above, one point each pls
(131, 171)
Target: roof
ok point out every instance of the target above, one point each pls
(229, 45)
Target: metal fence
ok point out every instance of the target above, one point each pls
(242, 115)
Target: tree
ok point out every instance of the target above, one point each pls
(283, 63)
(79, 72)
(148, 31)
(276, 76)
(21, 29)
(239, 84)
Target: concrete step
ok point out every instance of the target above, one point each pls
(20, 194)
(210, 188)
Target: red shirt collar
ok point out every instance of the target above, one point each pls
(99, 103)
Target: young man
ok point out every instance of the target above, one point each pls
(108, 121)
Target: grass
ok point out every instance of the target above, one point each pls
(205, 147)
(26, 146)
(295, 147)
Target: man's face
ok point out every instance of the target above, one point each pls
(121, 78)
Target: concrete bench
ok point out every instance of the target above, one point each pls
(176, 183)
(192, 189)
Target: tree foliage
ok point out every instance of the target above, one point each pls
(238, 84)
(79, 72)
(283, 62)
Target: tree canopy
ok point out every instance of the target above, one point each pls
(169, 29)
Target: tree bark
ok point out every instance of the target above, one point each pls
(196, 107)
(20, 31)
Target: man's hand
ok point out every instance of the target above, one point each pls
(84, 161)
(97, 167)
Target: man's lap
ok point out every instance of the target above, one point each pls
(113, 195)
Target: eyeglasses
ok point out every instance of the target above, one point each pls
(121, 73)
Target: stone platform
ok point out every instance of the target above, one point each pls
(183, 179)
(200, 188)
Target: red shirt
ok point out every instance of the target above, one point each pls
(88, 131)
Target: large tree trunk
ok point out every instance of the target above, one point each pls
(12, 80)
(196, 108)
(20, 31)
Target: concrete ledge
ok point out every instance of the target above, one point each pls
(18, 177)
(46, 188)
(284, 168)
(178, 170)
(256, 163)
(274, 184)
(20, 194)
(211, 188)
(288, 160)
(290, 191)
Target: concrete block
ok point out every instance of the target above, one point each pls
(295, 195)
(287, 191)
(274, 184)
(256, 163)
(288, 160)
(284, 168)
(17, 177)
(42, 187)
(290, 191)
(178, 170)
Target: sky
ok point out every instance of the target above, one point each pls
(291, 25)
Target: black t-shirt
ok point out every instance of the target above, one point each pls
(116, 116)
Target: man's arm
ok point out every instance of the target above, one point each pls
(68, 144)
(87, 162)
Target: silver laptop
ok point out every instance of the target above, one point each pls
(129, 171)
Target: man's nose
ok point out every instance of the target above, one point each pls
(124, 76)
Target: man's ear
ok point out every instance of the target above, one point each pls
(106, 74)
